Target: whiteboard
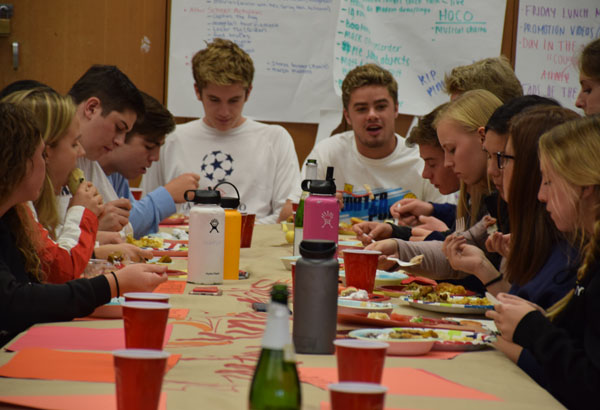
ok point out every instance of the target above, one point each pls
(550, 37)
(302, 49)
(418, 41)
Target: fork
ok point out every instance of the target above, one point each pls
(459, 226)
(403, 264)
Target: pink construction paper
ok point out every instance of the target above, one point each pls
(75, 402)
(402, 380)
(75, 338)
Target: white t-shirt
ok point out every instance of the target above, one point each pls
(390, 178)
(259, 159)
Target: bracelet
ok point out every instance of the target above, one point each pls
(496, 279)
(116, 283)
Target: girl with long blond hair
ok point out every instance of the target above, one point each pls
(67, 248)
(565, 340)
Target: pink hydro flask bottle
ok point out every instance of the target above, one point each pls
(321, 209)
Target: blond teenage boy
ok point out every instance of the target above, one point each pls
(259, 159)
(372, 156)
(494, 74)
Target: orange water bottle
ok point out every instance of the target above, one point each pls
(233, 234)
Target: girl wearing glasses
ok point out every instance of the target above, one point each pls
(564, 340)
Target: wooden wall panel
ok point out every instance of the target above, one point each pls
(60, 39)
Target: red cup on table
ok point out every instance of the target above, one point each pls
(138, 378)
(146, 297)
(360, 266)
(357, 396)
(137, 193)
(360, 360)
(247, 229)
(145, 324)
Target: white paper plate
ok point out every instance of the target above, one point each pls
(462, 340)
(447, 307)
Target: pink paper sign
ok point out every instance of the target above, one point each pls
(75, 338)
(403, 380)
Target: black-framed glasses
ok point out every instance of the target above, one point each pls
(502, 159)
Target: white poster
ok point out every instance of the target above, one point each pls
(418, 41)
(290, 42)
(550, 36)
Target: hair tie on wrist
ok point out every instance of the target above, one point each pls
(116, 283)
(496, 279)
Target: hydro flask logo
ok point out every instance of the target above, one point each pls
(327, 216)
(214, 223)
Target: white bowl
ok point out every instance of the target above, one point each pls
(400, 347)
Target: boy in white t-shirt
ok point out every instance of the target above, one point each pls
(373, 168)
(259, 159)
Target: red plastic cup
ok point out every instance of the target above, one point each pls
(357, 396)
(145, 324)
(146, 297)
(360, 360)
(247, 229)
(138, 378)
(137, 193)
(360, 266)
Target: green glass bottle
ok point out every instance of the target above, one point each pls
(275, 384)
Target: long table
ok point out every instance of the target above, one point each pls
(219, 341)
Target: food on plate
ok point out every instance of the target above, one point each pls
(412, 334)
(146, 241)
(176, 216)
(403, 334)
(378, 315)
(115, 257)
(417, 259)
(165, 259)
(442, 292)
(355, 220)
(345, 229)
(76, 177)
(348, 291)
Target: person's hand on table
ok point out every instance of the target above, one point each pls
(115, 215)
(419, 234)
(387, 247)
(139, 278)
(462, 256)
(508, 313)
(87, 196)
(499, 243)
(367, 232)
(184, 182)
(407, 210)
(431, 223)
(107, 238)
(128, 250)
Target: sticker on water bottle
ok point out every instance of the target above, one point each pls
(289, 354)
(214, 223)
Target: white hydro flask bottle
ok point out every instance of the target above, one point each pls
(207, 237)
